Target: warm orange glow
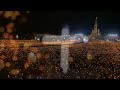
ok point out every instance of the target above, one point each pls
(8, 14)
(26, 65)
(8, 64)
(14, 71)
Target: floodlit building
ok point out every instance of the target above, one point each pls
(111, 37)
(95, 34)
(57, 38)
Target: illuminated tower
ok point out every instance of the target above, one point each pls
(95, 31)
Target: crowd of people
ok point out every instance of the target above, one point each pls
(93, 60)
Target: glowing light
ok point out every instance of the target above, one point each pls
(113, 35)
(79, 34)
(14, 58)
(26, 65)
(38, 39)
(65, 52)
(89, 56)
(17, 36)
(7, 64)
(8, 14)
(27, 11)
(31, 57)
(14, 71)
(85, 39)
(64, 57)
(78, 38)
(27, 45)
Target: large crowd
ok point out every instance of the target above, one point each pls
(93, 60)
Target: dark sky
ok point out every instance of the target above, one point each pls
(79, 21)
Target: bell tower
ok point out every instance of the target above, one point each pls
(95, 31)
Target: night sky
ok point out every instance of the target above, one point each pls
(79, 21)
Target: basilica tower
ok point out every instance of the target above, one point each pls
(95, 31)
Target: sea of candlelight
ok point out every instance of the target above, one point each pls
(92, 60)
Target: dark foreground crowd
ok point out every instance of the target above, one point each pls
(103, 62)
